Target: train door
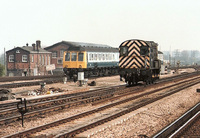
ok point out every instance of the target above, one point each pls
(81, 60)
(74, 60)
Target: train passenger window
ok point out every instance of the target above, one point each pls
(103, 56)
(73, 56)
(67, 56)
(92, 57)
(124, 51)
(95, 56)
(106, 56)
(80, 56)
(99, 56)
(113, 56)
(144, 50)
(110, 57)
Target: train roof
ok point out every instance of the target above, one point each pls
(85, 46)
(90, 47)
(150, 43)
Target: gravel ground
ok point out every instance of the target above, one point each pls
(144, 121)
(150, 119)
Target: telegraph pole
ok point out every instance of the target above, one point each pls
(5, 61)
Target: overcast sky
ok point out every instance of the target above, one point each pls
(170, 23)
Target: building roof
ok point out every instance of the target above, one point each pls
(30, 50)
(79, 44)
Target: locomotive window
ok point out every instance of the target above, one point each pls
(67, 56)
(73, 57)
(80, 56)
(144, 50)
(124, 51)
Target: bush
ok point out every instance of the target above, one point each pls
(2, 68)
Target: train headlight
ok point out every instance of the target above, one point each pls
(80, 66)
(66, 66)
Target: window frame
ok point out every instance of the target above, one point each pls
(69, 55)
(11, 59)
(81, 57)
(60, 60)
(24, 59)
(54, 54)
(32, 58)
(144, 50)
(73, 54)
(62, 52)
(123, 52)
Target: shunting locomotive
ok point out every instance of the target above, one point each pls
(139, 61)
(92, 59)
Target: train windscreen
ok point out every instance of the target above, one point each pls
(67, 56)
(80, 56)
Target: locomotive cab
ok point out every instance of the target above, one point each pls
(139, 61)
(74, 61)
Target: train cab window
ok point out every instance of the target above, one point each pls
(124, 51)
(80, 56)
(144, 50)
(67, 56)
(73, 56)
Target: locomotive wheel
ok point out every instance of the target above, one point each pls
(147, 82)
(129, 83)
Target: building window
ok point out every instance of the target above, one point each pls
(49, 60)
(60, 61)
(24, 58)
(46, 59)
(42, 59)
(11, 58)
(54, 54)
(32, 60)
(17, 51)
(61, 53)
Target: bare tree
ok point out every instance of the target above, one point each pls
(184, 57)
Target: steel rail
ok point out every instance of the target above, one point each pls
(169, 131)
(75, 131)
(60, 103)
(83, 128)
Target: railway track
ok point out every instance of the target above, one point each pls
(185, 126)
(32, 83)
(82, 127)
(46, 104)
(46, 79)
(22, 78)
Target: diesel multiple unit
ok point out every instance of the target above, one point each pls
(92, 59)
(138, 61)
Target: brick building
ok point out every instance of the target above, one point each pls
(57, 51)
(28, 60)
